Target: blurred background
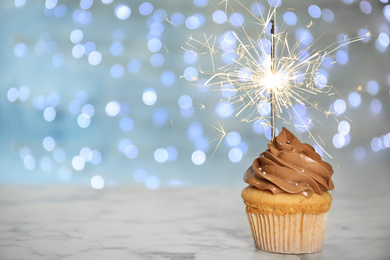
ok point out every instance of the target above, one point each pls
(107, 92)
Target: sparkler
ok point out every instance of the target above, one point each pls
(272, 99)
(265, 86)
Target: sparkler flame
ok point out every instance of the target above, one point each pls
(253, 79)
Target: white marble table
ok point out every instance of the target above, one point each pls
(60, 222)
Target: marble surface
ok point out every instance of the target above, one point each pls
(64, 222)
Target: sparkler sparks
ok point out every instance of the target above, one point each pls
(222, 133)
(359, 89)
(201, 106)
(256, 79)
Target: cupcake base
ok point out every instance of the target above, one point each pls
(289, 233)
(286, 223)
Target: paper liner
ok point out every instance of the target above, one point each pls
(290, 233)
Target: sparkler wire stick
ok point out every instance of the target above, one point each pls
(272, 98)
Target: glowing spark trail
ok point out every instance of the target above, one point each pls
(222, 134)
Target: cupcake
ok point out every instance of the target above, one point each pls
(287, 199)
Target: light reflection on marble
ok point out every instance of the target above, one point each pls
(171, 223)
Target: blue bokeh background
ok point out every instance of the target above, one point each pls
(103, 93)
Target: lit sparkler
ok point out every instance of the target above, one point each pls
(267, 76)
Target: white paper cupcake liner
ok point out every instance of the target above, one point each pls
(290, 233)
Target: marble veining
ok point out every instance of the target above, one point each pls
(66, 222)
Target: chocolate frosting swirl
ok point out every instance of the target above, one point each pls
(289, 166)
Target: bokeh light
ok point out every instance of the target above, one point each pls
(161, 155)
(112, 108)
(168, 78)
(386, 12)
(354, 99)
(190, 56)
(160, 15)
(50, 4)
(198, 157)
(49, 143)
(86, 4)
(233, 138)
(290, 18)
(275, 3)
(154, 45)
(94, 58)
(376, 106)
(224, 109)
(365, 7)
(157, 60)
(339, 106)
(344, 127)
(49, 114)
(376, 144)
(122, 12)
(76, 36)
(146, 8)
(200, 3)
(20, 3)
(327, 15)
(117, 71)
(89, 47)
(126, 124)
(12, 94)
(78, 163)
(82, 16)
(83, 120)
(235, 155)
(20, 50)
(152, 182)
(192, 22)
(78, 51)
(131, 151)
(236, 19)
(219, 17)
(185, 102)
(338, 140)
(172, 153)
(149, 96)
(116, 48)
(264, 108)
(383, 39)
(304, 36)
(23, 93)
(314, 11)
(373, 87)
(342, 57)
(97, 182)
(177, 19)
(29, 162)
(160, 117)
(190, 74)
(86, 154)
